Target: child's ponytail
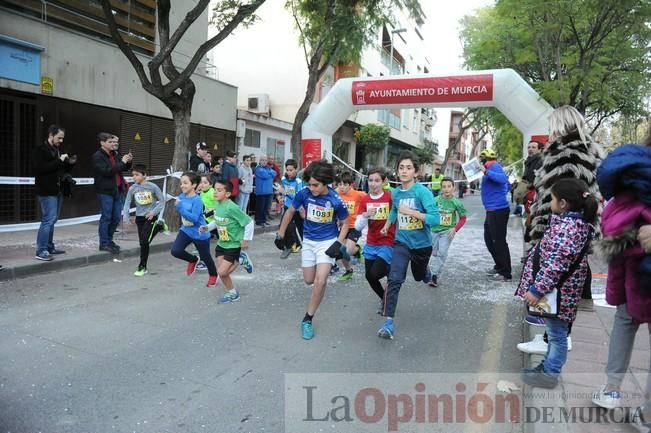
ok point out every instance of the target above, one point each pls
(578, 197)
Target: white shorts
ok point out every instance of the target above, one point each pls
(314, 252)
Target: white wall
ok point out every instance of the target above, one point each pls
(265, 58)
(88, 70)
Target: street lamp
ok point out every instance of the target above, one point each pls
(393, 32)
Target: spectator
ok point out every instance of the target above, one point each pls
(264, 176)
(50, 166)
(246, 175)
(110, 186)
(230, 173)
(437, 178)
(198, 161)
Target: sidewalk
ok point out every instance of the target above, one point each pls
(81, 244)
(584, 372)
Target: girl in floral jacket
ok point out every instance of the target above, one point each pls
(563, 262)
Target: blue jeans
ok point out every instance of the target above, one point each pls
(110, 209)
(402, 255)
(556, 347)
(243, 201)
(50, 211)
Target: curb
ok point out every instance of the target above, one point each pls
(59, 264)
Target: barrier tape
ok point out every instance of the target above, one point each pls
(6, 180)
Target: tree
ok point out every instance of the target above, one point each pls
(428, 152)
(334, 31)
(591, 54)
(178, 90)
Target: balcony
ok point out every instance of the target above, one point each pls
(394, 66)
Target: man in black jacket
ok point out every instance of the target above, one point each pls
(49, 167)
(533, 161)
(198, 162)
(110, 186)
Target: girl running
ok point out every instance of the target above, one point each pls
(413, 207)
(559, 261)
(322, 239)
(235, 230)
(190, 207)
(149, 203)
(378, 250)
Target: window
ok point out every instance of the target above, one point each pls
(389, 118)
(276, 148)
(252, 138)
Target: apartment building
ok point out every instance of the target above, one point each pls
(58, 65)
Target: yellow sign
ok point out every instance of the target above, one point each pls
(215, 146)
(137, 137)
(166, 140)
(47, 85)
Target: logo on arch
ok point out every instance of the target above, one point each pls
(468, 88)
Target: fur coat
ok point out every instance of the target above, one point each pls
(567, 157)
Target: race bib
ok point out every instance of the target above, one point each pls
(143, 197)
(382, 212)
(350, 205)
(223, 233)
(186, 222)
(446, 218)
(408, 222)
(319, 214)
(290, 191)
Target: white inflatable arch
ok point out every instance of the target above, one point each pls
(503, 89)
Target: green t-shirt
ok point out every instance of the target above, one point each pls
(450, 210)
(230, 224)
(208, 200)
(436, 182)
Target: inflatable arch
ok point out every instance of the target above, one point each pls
(503, 89)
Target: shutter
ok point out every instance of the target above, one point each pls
(135, 135)
(162, 130)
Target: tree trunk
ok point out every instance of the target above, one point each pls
(301, 115)
(181, 115)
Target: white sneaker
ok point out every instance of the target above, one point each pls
(608, 400)
(536, 346)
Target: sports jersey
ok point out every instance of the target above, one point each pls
(230, 222)
(321, 213)
(352, 199)
(191, 211)
(449, 209)
(377, 221)
(208, 200)
(148, 198)
(291, 187)
(411, 231)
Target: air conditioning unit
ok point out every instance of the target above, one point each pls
(259, 103)
(240, 130)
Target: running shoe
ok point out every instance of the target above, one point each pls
(286, 252)
(607, 399)
(296, 248)
(201, 266)
(334, 269)
(192, 266)
(141, 272)
(246, 262)
(307, 331)
(387, 330)
(212, 280)
(44, 256)
(534, 320)
(500, 278)
(434, 281)
(229, 297)
(347, 276)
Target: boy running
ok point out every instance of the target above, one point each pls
(235, 230)
(321, 239)
(453, 217)
(352, 199)
(149, 203)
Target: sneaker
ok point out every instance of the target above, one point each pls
(537, 369)
(428, 277)
(110, 248)
(229, 297)
(500, 278)
(434, 281)
(192, 266)
(286, 252)
(537, 346)
(307, 331)
(114, 245)
(266, 224)
(334, 269)
(387, 330)
(212, 281)
(54, 251)
(246, 262)
(201, 266)
(539, 379)
(347, 276)
(44, 256)
(296, 248)
(534, 320)
(607, 399)
(141, 272)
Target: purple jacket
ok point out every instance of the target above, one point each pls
(620, 220)
(559, 248)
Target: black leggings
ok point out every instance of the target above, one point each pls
(375, 270)
(147, 229)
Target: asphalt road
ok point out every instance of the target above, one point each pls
(96, 349)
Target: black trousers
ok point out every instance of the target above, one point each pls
(376, 270)
(495, 239)
(147, 229)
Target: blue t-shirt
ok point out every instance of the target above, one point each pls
(291, 186)
(411, 231)
(321, 214)
(191, 211)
